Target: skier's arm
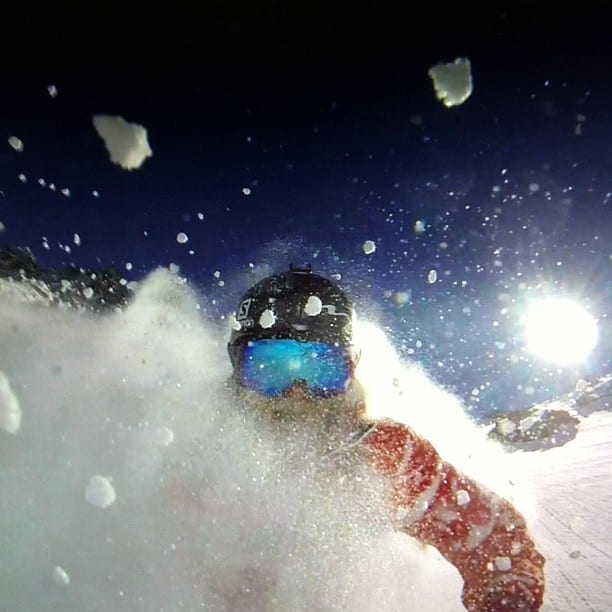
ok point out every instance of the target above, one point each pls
(477, 531)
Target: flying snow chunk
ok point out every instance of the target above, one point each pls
(126, 142)
(313, 306)
(234, 323)
(23, 178)
(432, 277)
(52, 89)
(16, 143)
(164, 436)
(369, 247)
(182, 238)
(452, 82)
(419, 227)
(99, 492)
(402, 297)
(2, 226)
(10, 412)
(76, 239)
(463, 497)
(246, 191)
(503, 564)
(267, 319)
(60, 575)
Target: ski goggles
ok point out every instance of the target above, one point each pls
(271, 367)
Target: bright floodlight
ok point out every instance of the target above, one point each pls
(560, 331)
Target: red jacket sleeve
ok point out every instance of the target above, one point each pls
(480, 533)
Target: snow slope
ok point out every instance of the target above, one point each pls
(573, 495)
(130, 482)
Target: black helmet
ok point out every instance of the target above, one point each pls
(295, 304)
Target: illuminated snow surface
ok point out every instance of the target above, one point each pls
(207, 511)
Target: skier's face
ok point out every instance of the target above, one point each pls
(298, 405)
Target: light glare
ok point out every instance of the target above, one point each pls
(560, 331)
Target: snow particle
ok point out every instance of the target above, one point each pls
(66, 192)
(432, 277)
(88, 293)
(16, 143)
(10, 411)
(402, 297)
(234, 323)
(164, 436)
(23, 178)
(246, 191)
(419, 227)
(2, 226)
(95, 194)
(267, 319)
(313, 306)
(463, 497)
(182, 238)
(60, 575)
(369, 247)
(128, 265)
(100, 492)
(77, 239)
(503, 564)
(52, 89)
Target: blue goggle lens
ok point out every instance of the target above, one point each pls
(270, 367)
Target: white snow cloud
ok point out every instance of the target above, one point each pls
(127, 143)
(207, 510)
(205, 504)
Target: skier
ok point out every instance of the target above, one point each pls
(293, 358)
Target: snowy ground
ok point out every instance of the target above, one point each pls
(130, 482)
(573, 495)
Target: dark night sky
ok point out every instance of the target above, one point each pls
(311, 109)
